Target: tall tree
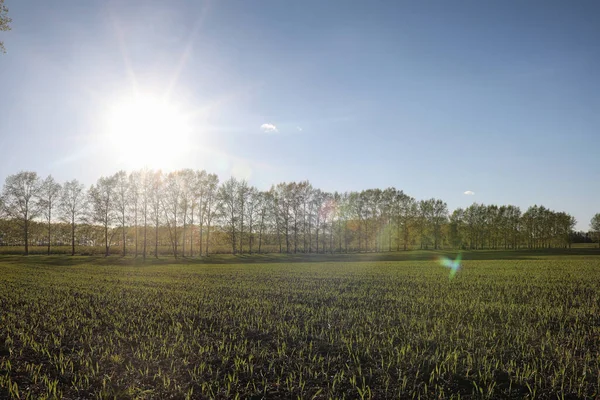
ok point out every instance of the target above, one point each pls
(456, 228)
(72, 206)
(228, 197)
(134, 195)
(405, 211)
(211, 206)
(187, 183)
(101, 197)
(200, 182)
(387, 213)
(305, 194)
(283, 199)
(262, 204)
(49, 194)
(171, 203)
(121, 202)
(439, 217)
(145, 184)
(423, 222)
(252, 214)
(155, 185)
(595, 226)
(318, 201)
(243, 192)
(20, 196)
(345, 214)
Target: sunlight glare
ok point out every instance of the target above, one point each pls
(148, 131)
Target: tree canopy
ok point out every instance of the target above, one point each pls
(190, 213)
(5, 21)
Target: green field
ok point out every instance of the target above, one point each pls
(509, 325)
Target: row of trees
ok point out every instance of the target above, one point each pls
(480, 226)
(191, 211)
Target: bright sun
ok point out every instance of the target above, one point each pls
(148, 131)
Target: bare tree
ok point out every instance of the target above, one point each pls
(243, 192)
(72, 206)
(305, 198)
(198, 206)
(145, 187)
(133, 195)
(49, 194)
(187, 183)
(155, 187)
(274, 201)
(121, 203)
(252, 210)
(319, 199)
(211, 206)
(283, 199)
(171, 202)
(20, 199)
(262, 205)
(296, 192)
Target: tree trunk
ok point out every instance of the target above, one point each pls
(174, 234)
(207, 235)
(260, 236)
(331, 237)
(73, 234)
(106, 239)
(241, 251)
(156, 239)
(49, 226)
(200, 242)
(389, 235)
(192, 233)
(26, 235)
(310, 235)
(184, 226)
(136, 230)
(124, 242)
(145, 235)
(295, 234)
(304, 228)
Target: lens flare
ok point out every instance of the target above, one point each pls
(454, 265)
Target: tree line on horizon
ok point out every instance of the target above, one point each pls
(192, 213)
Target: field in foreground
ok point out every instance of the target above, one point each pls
(511, 328)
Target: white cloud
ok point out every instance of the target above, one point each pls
(269, 128)
(299, 129)
(469, 193)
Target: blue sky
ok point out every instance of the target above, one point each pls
(433, 97)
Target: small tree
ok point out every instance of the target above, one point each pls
(595, 226)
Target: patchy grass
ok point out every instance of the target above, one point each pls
(527, 325)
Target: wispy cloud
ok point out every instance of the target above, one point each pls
(269, 128)
(469, 193)
(299, 129)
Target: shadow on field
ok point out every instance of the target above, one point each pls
(411, 255)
